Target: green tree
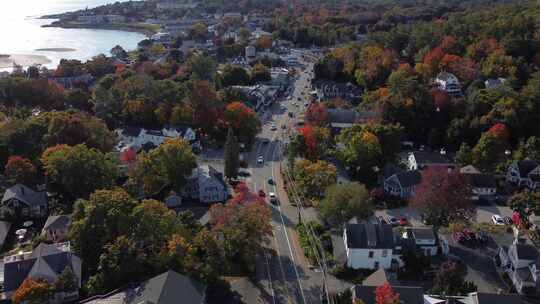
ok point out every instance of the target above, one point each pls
(97, 222)
(232, 75)
(450, 280)
(78, 171)
(344, 201)
(362, 154)
(260, 73)
(244, 34)
(167, 165)
(464, 155)
(201, 67)
(66, 281)
(525, 203)
(232, 153)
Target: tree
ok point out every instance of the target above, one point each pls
(201, 67)
(78, 171)
(362, 154)
(20, 170)
(449, 280)
(464, 155)
(344, 201)
(33, 292)
(98, 221)
(233, 75)
(260, 73)
(525, 203)
(489, 152)
(166, 166)
(199, 31)
(313, 177)
(385, 294)
(317, 114)
(243, 121)
(311, 142)
(241, 228)
(442, 195)
(264, 42)
(232, 152)
(66, 281)
(244, 34)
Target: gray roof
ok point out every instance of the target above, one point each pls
(491, 298)
(409, 178)
(424, 233)
(408, 295)
(526, 166)
(55, 222)
(482, 180)
(367, 235)
(45, 260)
(25, 195)
(424, 157)
(169, 288)
(526, 252)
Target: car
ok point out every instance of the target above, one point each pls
(306, 104)
(291, 114)
(298, 98)
(497, 219)
(270, 181)
(261, 193)
(393, 221)
(265, 141)
(273, 127)
(272, 196)
(260, 159)
(403, 221)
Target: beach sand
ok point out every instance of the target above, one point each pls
(23, 60)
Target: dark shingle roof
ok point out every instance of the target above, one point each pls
(526, 252)
(491, 298)
(482, 180)
(422, 233)
(408, 295)
(169, 288)
(423, 157)
(409, 178)
(55, 222)
(26, 195)
(131, 131)
(4, 230)
(359, 235)
(526, 166)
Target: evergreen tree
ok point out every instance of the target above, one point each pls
(232, 150)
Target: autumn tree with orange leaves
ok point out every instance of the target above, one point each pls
(311, 142)
(317, 114)
(20, 170)
(33, 292)
(243, 120)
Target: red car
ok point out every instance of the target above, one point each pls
(403, 221)
(262, 194)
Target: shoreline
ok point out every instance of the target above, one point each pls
(147, 31)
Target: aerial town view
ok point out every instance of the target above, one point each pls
(270, 151)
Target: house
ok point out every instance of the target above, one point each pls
(483, 186)
(21, 201)
(180, 131)
(524, 173)
(45, 262)
(449, 83)
(474, 298)
(369, 246)
(521, 261)
(402, 184)
(56, 228)
(426, 240)
(419, 160)
(330, 89)
(345, 118)
(167, 288)
(206, 184)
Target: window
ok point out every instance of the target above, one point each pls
(371, 254)
(384, 253)
(376, 265)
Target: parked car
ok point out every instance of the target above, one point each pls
(265, 141)
(270, 181)
(403, 221)
(273, 127)
(260, 159)
(497, 219)
(273, 198)
(393, 221)
(291, 114)
(261, 193)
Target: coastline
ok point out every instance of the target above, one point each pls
(141, 28)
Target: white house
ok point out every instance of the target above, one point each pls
(206, 184)
(133, 137)
(180, 131)
(521, 261)
(449, 83)
(524, 173)
(369, 246)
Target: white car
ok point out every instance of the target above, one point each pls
(272, 197)
(273, 127)
(260, 160)
(497, 219)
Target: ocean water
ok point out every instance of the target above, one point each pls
(21, 32)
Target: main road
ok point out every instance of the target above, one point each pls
(282, 271)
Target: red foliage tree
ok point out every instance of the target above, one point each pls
(20, 170)
(385, 295)
(500, 131)
(310, 138)
(317, 114)
(449, 44)
(440, 98)
(433, 58)
(442, 194)
(128, 156)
